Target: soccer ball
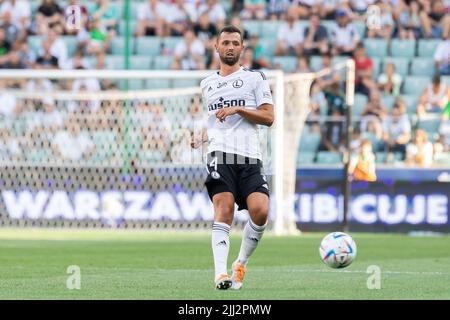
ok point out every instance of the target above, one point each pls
(337, 250)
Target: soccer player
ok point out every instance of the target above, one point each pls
(238, 100)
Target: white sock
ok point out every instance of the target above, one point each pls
(220, 246)
(250, 239)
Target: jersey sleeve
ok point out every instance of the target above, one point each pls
(262, 90)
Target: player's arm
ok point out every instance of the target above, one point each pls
(262, 115)
(196, 141)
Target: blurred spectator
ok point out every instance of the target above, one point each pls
(78, 61)
(154, 146)
(46, 59)
(332, 76)
(316, 37)
(306, 7)
(318, 102)
(5, 49)
(361, 6)
(397, 129)
(108, 16)
(408, 20)
(248, 59)
(48, 13)
(328, 8)
(151, 21)
(364, 70)
(442, 57)
(50, 117)
(390, 82)
(258, 51)
(362, 166)
(178, 19)
(57, 47)
(443, 142)
(303, 65)
(192, 125)
(344, 36)
(290, 36)
(387, 24)
(374, 129)
(9, 145)
(333, 137)
(90, 85)
(434, 97)
(373, 111)
(276, 9)
(41, 85)
(71, 143)
(420, 151)
(11, 30)
(20, 57)
(20, 12)
(206, 32)
(99, 39)
(335, 99)
(72, 26)
(435, 21)
(217, 14)
(8, 102)
(189, 54)
(236, 21)
(181, 151)
(254, 9)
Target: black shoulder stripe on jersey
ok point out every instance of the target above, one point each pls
(260, 72)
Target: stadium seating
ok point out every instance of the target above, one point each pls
(388, 101)
(373, 139)
(162, 62)
(429, 125)
(169, 43)
(442, 158)
(411, 103)
(376, 47)
(327, 157)
(288, 64)
(401, 65)
(269, 29)
(380, 157)
(132, 25)
(305, 158)
(148, 46)
(141, 62)
(422, 67)
(309, 141)
(253, 27)
(415, 84)
(427, 47)
(403, 48)
(118, 46)
(359, 104)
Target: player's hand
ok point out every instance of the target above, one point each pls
(196, 142)
(223, 113)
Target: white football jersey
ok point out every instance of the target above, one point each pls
(243, 88)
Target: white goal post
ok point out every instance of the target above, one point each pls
(291, 98)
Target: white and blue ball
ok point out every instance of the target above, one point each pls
(337, 250)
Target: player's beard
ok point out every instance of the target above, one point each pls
(229, 60)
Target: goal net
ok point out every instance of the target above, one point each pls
(104, 148)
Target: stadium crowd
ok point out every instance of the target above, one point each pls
(401, 49)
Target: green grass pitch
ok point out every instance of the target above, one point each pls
(178, 265)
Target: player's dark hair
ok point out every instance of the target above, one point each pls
(436, 79)
(231, 29)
